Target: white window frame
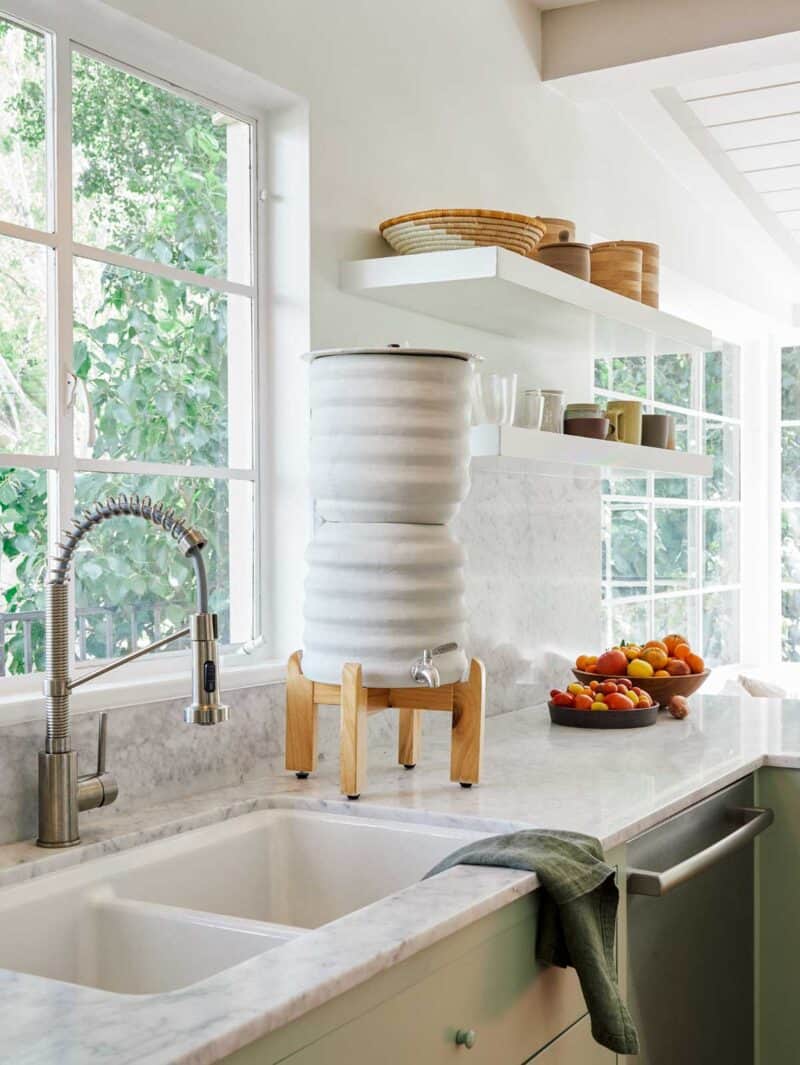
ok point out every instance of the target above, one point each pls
(277, 267)
(695, 503)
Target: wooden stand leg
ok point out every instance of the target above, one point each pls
(408, 742)
(353, 732)
(301, 720)
(466, 742)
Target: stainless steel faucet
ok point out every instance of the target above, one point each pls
(62, 793)
(424, 670)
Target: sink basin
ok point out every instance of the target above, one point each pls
(167, 914)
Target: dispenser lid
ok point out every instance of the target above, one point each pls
(392, 349)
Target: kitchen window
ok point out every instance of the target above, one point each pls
(129, 333)
(671, 544)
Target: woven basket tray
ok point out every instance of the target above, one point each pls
(451, 229)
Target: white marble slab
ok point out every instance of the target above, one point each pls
(609, 784)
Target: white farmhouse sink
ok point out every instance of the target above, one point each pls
(170, 913)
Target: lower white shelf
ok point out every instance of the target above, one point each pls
(494, 441)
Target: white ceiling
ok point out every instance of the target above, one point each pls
(753, 120)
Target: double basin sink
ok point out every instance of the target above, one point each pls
(167, 914)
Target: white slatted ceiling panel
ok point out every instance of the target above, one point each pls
(755, 120)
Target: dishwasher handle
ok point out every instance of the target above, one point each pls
(752, 820)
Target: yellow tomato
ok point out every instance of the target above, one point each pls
(639, 668)
(575, 688)
(631, 651)
(599, 706)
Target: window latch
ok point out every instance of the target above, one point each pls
(74, 385)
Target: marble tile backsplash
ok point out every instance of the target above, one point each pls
(533, 594)
(533, 543)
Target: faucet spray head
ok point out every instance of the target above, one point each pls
(205, 708)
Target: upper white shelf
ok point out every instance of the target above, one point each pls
(512, 442)
(501, 292)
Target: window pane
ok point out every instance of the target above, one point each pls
(158, 176)
(629, 375)
(790, 384)
(790, 464)
(721, 545)
(675, 614)
(722, 443)
(132, 583)
(23, 346)
(674, 549)
(23, 164)
(721, 628)
(629, 622)
(602, 373)
(627, 544)
(790, 544)
(790, 628)
(635, 484)
(720, 370)
(673, 379)
(23, 523)
(164, 364)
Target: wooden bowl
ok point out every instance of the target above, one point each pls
(660, 689)
(639, 718)
(595, 428)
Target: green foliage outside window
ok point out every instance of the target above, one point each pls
(150, 181)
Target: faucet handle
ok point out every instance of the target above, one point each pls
(442, 649)
(102, 733)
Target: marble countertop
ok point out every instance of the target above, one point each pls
(612, 785)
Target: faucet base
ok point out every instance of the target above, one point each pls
(58, 799)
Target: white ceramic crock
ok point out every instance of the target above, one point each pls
(380, 594)
(389, 434)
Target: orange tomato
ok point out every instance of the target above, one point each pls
(618, 701)
(582, 661)
(682, 651)
(657, 643)
(656, 655)
(583, 702)
(695, 663)
(661, 673)
(672, 641)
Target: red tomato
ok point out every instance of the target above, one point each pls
(564, 699)
(618, 701)
(583, 702)
(608, 686)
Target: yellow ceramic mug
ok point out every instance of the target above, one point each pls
(625, 416)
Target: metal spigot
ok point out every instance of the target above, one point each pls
(424, 671)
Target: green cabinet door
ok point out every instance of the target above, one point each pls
(778, 920)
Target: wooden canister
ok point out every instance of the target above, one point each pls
(557, 229)
(650, 260)
(617, 267)
(567, 256)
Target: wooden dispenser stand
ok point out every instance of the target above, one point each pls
(465, 700)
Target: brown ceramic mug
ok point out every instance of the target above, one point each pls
(656, 429)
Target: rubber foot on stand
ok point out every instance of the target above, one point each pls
(301, 776)
(412, 766)
(465, 783)
(351, 797)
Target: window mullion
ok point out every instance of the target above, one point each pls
(61, 420)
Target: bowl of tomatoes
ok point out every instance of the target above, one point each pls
(663, 668)
(603, 704)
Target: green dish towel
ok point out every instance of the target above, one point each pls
(577, 917)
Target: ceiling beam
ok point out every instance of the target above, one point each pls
(611, 45)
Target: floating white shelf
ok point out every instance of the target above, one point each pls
(501, 292)
(493, 441)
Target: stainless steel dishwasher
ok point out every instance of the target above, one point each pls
(691, 912)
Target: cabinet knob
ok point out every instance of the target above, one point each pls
(466, 1037)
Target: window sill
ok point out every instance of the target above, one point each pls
(28, 704)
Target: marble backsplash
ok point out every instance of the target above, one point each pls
(533, 595)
